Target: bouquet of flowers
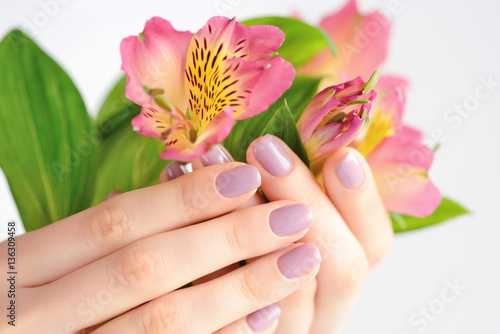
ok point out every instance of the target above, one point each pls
(317, 88)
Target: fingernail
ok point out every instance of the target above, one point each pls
(299, 261)
(272, 156)
(290, 219)
(112, 193)
(238, 180)
(216, 155)
(350, 171)
(261, 319)
(175, 169)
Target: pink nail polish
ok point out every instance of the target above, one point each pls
(175, 169)
(272, 156)
(261, 319)
(299, 261)
(290, 219)
(216, 155)
(237, 181)
(350, 172)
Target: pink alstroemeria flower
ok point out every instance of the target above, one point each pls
(193, 87)
(334, 118)
(362, 44)
(397, 157)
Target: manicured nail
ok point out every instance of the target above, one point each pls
(299, 261)
(261, 319)
(216, 155)
(350, 171)
(290, 219)
(112, 193)
(175, 169)
(272, 156)
(238, 180)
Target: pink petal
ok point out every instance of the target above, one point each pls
(228, 32)
(409, 133)
(362, 43)
(215, 132)
(400, 169)
(219, 128)
(152, 122)
(362, 40)
(232, 86)
(217, 73)
(296, 14)
(187, 154)
(398, 151)
(412, 196)
(391, 98)
(277, 77)
(263, 42)
(156, 60)
(231, 65)
(315, 111)
(344, 139)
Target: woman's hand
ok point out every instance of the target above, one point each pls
(124, 259)
(351, 229)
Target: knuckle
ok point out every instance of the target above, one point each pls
(189, 198)
(140, 267)
(250, 287)
(161, 318)
(314, 199)
(109, 225)
(353, 275)
(237, 238)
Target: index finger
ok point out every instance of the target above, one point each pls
(89, 235)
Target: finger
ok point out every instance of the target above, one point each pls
(176, 169)
(164, 262)
(256, 199)
(298, 310)
(219, 155)
(226, 298)
(216, 155)
(350, 185)
(344, 267)
(263, 321)
(89, 235)
(173, 170)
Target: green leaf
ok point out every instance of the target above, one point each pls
(282, 125)
(278, 122)
(447, 210)
(46, 134)
(116, 109)
(298, 96)
(127, 161)
(302, 41)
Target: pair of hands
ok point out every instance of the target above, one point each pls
(125, 258)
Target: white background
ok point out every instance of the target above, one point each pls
(443, 47)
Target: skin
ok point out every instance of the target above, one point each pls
(114, 260)
(351, 228)
(352, 231)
